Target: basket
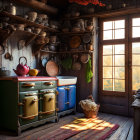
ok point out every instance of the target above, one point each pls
(91, 114)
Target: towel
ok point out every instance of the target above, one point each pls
(89, 73)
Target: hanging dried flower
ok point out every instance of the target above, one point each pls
(86, 2)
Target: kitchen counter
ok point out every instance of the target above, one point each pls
(29, 78)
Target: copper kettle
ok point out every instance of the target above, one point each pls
(22, 69)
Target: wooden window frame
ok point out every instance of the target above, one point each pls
(112, 42)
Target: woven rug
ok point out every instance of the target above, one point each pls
(82, 129)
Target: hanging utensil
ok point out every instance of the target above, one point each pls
(44, 61)
(84, 58)
(76, 65)
(87, 38)
(52, 68)
(21, 44)
(7, 54)
(11, 57)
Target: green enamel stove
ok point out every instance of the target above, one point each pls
(27, 102)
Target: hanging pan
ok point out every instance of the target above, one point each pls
(52, 68)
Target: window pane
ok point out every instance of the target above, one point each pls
(136, 78)
(107, 84)
(107, 35)
(136, 22)
(135, 47)
(119, 34)
(119, 60)
(107, 72)
(107, 25)
(136, 32)
(107, 60)
(119, 85)
(107, 49)
(135, 59)
(119, 24)
(119, 49)
(120, 72)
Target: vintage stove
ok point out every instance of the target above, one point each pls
(27, 102)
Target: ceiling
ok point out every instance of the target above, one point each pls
(61, 4)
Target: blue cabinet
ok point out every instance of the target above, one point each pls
(66, 99)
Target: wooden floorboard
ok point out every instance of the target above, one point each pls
(130, 134)
(124, 132)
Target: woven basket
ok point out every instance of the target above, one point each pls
(91, 114)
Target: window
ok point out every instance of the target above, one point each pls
(114, 67)
(113, 56)
(114, 30)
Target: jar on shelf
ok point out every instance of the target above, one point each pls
(89, 25)
(11, 9)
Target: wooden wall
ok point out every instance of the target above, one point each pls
(85, 89)
(13, 46)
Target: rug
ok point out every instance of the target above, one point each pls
(82, 129)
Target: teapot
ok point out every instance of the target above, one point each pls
(22, 70)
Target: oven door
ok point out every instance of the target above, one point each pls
(47, 104)
(28, 107)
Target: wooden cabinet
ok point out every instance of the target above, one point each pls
(25, 102)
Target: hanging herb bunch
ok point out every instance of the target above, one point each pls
(86, 2)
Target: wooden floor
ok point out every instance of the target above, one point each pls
(124, 132)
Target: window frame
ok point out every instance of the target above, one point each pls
(100, 56)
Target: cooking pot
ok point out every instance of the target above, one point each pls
(22, 70)
(4, 72)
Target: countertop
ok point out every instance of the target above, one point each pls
(29, 78)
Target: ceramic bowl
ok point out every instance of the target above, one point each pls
(20, 27)
(32, 16)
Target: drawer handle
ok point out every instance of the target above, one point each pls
(67, 88)
(28, 85)
(45, 92)
(57, 109)
(34, 100)
(20, 104)
(57, 92)
(47, 112)
(48, 83)
(29, 117)
(31, 94)
(67, 102)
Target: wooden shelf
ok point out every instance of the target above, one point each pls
(5, 34)
(109, 13)
(27, 22)
(67, 52)
(75, 33)
(37, 6)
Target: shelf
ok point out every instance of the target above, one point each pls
(75, 33)
(37, 6)
(67, 52)
(27, 22)
(109, 13)
(5, 34)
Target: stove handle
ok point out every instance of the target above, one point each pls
(28, 85)
(48, 83)
(29, 117)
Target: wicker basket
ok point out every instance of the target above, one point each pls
(91, 114)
